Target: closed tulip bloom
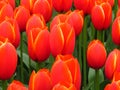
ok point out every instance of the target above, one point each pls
(40, 80)
(21, 14)
(9, 29)
(62, 5)
(16, 85)
(38, 44)
(8, 54)
(96, 54)
(62, 39)
(11, 2)
(43, 7)
(66, 69)
(112, 86)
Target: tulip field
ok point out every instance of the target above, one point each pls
(59, 44)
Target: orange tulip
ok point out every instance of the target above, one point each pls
(40, 80)
(43, 7)
(101, 16)
(11, 2)
(21, 14)
(8, 55)
(115, 31)
(62, 5)
(16, 85)
(112, 63)
(62, 39)
(9, 29)
(96, 54)
(6, 10)
(35, 21)
(66, 69)
(112, 86)
(38, 44)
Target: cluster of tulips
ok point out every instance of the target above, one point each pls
(57, 36)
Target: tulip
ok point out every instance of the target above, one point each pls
(6, 10)
(9, 29)
(8, 55)
(115, 31)
(43, 7)
(66, 69)
(75, 19)
(35, 21)
(62, 39)
(38, 44)
(118, 13)
(16, 85)
(101, 16)
(40, 80)
(112, 86)
(21, 14)
(96, 54)
(11, 2)
(112, 63)
(118, 3)
(62, 5)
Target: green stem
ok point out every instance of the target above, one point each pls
(115, 8)
(93, 32)
(21, 59)
(4, 85)
(96, 81)
(99, 34)
(29, 66)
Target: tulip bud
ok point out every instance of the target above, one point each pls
(62, 39)
(11, 2)
(21, 14)
(40, 80)
(96, 54)
(112, 86)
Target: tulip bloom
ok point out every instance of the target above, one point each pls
(112, 63)
(11, 2)
(101, 16)
(43, 7)
(9, 29)
(16, 85)
(6, 10)
(62, 5)
(38, 44)
(21, 14)
(40, 80)
(8, 55)
(62, 39)
(66, 69)
(35, 21)
(75, 19)
(96, 54)
(115, 31)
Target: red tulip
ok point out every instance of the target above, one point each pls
(96, 54)
(8, 55)
(115, 31)
(62, 5)
(43, 7)
(75, 19)
(112, 63)
(21, 14)
(40, 80)
(16, 85)
(6, 10)
(62, 39)
(66, 69)
(9, 29)
(101, 16)
(118, 3)
(38, 44)
(11, 2)
(112, 86)
(35, 21)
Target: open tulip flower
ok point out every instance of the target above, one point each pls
(101, 16)
(66, 69)
(35, 21)
(9, 29)
(40, 80)
(96, 54)
(62, 5)
(21, 14)
(16, 85)
(6, 10)
(38, 44)
(62, 39)
(8, 55)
